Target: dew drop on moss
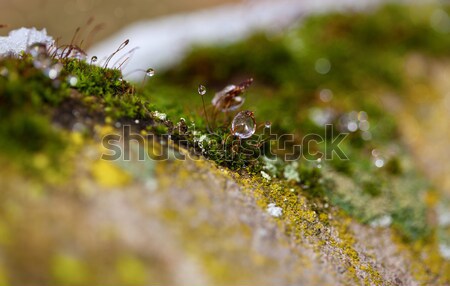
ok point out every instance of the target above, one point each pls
(150, 72)
(201, 90)
(243, 125)
(54, 71)
(72, 80)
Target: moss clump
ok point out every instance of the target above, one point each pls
(26, 98)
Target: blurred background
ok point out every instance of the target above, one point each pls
(61, 18)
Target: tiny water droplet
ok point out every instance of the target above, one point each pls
(94, 59)
(267, 124)
(201, 90)
(72, 80)
(54, 71)
(244, 124)
(379, 162)
(352, 126)
(364, 125)
(4, 71)
(150, 72)
(362, 115)
(37, 49)
(366, 135)
(326, 95)
(41, 59)
(323, 66)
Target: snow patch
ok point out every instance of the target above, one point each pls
(274, 211)
(266, 176)
(19, 40)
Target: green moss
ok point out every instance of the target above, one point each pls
(26, 97)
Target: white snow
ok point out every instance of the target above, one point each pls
(266, 176)
(18, 40)
(274, 211)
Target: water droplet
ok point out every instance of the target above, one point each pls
(326, 95)
(364, 125)
(366, 136)
(323, 66)
(379, 162)
(321, 116)
(362, 115)
(201, 90)
(267, 124)
(352, 126)
(352, 115)
(72, 80)
(150, 72)
(41, 59)
(94, 59)
(54, 71)
(37, 49)
(244, 124)
(4, 71)
(319, 163)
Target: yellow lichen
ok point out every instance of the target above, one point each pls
(131, 271)
(107, 174)
(69, 270)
